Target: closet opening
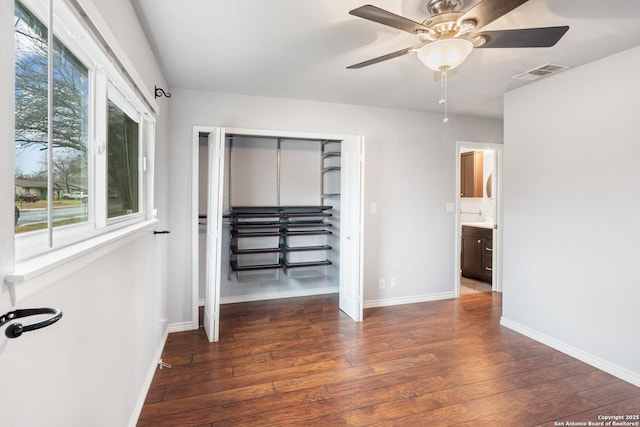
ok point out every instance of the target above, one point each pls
(278, 216)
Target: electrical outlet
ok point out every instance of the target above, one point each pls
(381, 283)
(394, 282)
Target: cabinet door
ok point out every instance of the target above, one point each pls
(471, 257)
(471, 170)
(487, 271)
(487, 260)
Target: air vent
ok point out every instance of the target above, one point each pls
(540, 72)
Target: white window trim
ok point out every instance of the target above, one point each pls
(32, 260)
(121, 101)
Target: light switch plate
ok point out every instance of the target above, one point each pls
(451, 207)
(373, 208)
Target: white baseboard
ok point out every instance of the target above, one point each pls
(278, 295)
(137, 409)
(180, 327)
(408, 300)
(588, 358)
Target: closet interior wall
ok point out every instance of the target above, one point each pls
(271, 171)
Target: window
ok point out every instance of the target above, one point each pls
(88, 177)
(70, 128)
(122, 163)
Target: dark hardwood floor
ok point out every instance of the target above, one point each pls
(302, 362)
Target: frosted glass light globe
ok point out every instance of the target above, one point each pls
(445, 53)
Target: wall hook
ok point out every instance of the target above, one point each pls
(16, 329)
(160, 92)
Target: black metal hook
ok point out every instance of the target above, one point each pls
(161, 232)
(160, 92)
(16, 329)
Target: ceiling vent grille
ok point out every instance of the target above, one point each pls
(540, 72)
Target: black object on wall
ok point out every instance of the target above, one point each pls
(16, 329)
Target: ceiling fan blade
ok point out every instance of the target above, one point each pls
(385, 57)
(488, 11)
(381, 16)
(526, 37)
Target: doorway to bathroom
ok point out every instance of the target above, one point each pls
(478, 208)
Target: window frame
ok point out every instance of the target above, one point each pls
(105, 82)
(122, 102)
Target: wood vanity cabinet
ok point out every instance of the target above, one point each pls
(471, 174)
(477, 253)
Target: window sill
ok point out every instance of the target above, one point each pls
(32, 268)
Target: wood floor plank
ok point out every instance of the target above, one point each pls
(209, 399)
(301, 361)
(301, 382)
(230, 413)
(284, 375)
(198, 371)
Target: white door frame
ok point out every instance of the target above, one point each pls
(496, 282)
(357, 288)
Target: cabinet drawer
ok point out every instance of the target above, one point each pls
(305, 256)
(257, 242)
(487, 270)
(269, 258)
(487, 247)
(482, 233)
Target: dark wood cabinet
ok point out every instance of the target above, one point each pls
(487, 260)
(477, 253)
(471, 174)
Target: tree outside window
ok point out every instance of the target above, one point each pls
(70, 127)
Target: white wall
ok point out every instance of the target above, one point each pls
(409, 173)
(92, 367)
(571, 213)
(88, 368)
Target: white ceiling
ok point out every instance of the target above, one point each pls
(300, 49)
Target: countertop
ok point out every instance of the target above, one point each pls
(478, 224)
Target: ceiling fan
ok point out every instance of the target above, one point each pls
(449, 35)
(449, 25)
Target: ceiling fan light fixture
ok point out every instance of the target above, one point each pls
(436, 7)
(478, 41)
(445, 53)
(466, 27)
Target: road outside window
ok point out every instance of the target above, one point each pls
(70, 129)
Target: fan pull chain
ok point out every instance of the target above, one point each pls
(443, 92)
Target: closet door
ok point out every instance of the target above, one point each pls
(351, 203)
(214, 234)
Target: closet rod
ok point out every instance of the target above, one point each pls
(283, 138)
